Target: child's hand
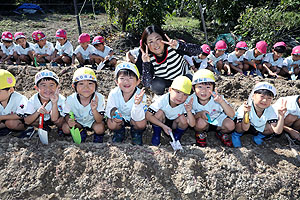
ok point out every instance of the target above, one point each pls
(106, 57)
(247, 108)
(145, 55)
(217, 98)
(117, 117)
(202, 115)
(282, 110)
(166, 129)
(172, 43)
(42, 109)
(188, 106)
(94, 103)
(139, 97)
(71, 122)
(54, 97)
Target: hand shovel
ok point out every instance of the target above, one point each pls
(100, 66)
(175, 144)
(75, 131)
(42, 133)
(257, 70)
(35, 63)
(293, 76)
(212, 122)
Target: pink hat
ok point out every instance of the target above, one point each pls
(7, 36)
(278, 44)
(262, 47)
(38, 35)
(242, 45)
(205, 48)
(19, 35)
(61, 34)
(84, 37)
(221, 45)
(296, 50)
(98, 40)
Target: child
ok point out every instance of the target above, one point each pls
(83, 51)
(253, 57)
(46, 101)
(86, 104)
(218, 59)
(211, 109)
(24, 50)
(43, 49)
(63, 49)
(291, 64)
(291, 117)
(200, 61)
(126, 104)
(257, 116)
(7, 48)
(134, 57)
(236, 58)
(103, 54)
(172, 112)
(272, 63)
(12, 104)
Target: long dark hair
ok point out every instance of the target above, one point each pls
(149, 30)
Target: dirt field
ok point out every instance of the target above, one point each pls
(63, 170)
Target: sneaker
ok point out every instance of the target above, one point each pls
(83, 135)
(5, 131)
(98, 138)
(225, 139)
(201, 139)
(28, 133)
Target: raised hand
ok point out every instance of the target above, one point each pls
(42, 109)
(167, 129)
(94, 103)
(139, 97)
(54, 97)
(172, 43)
(217, 98)
(145, 55)
(282, 110)
(188, 106)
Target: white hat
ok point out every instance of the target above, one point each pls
(265, 86)
(45, 74)
(129, 66)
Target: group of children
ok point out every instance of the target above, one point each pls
(195, 104)
(98, 54)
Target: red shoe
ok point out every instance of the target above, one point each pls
(225, 139)
(200, 139)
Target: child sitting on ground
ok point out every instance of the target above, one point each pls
(211, 109)
(7, 48)
(291, 64)
(103, 55)
(218, 58)
(236, 58)
(253, 57)
(46, 101)
(200, 61)
(172, 112)
(257, 116)
(24, 50)
(272, 62)
(43, 49)
(12, 105)
(87, 105)
(126, 104)
(83, 51)
(63, 49)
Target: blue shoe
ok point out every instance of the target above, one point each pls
(28, 133)
(98, 138)
(251, 72)
(136, 136)
(236, 139)
(4, 131)
(258, 139)
(83, 134)
(178, 133)
(119, 135)
(42, 64)
(156, 135)
(54, 64)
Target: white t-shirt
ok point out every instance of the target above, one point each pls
(162, 103)
(215, 59)
(249, 55)
(47, 49)
(8, 51)
(202, 62)
(85, 53)
(67, 48)
(34, 104)
(104, 53)
(258, 123)
(116, 100)
(16, 105)
(269, 59)
(216, 112)
(292, 105)
(21, 51)
(232, 58)
(83, 114)
(288, 62)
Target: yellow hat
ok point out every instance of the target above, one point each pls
(183, 84)
(7, 80)
(202, 76)
(129, 66)
(84, 73)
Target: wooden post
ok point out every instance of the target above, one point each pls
(77, 17)
(203, 21)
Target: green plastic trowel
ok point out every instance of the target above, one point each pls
(75, 131)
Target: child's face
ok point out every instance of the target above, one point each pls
(154, 42)
(202, 56)
(21, 42)
(177, 96)
(86, 88)
(62, 41)
(127, 83)
(203, 91)
(5, 94)
(84, 45)
(46, 88)
(42, 43)
(277, 55)
(219, 52)
(239, 52)
(7, 43)
(295, 57)
(99, 47)
(262, 101)
(256, 52)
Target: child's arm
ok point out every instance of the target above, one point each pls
(278, 127)
(137, 111)
(94, 105)
(190, 117)
(73, 59)
(54, 114)
(235, 68)
(228, 110)
(31, 118)
(10, 116)
(245, 124)
(130, 58)
(265, 65)
(151, 118)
